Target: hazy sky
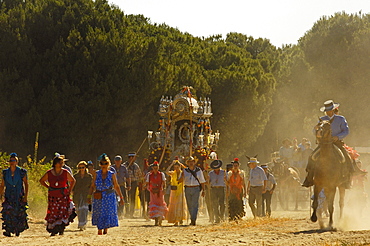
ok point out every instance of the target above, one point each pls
(283, 22)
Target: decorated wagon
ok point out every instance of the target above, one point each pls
(184, 130)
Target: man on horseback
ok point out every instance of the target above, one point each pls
(340, 130)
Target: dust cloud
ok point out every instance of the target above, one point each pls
(356, 210)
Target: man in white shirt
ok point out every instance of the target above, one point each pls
(194, 183)
(217, 183)
(256, 187)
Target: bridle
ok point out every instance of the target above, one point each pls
(323, 133)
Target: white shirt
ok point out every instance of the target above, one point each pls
(270, 181)
(190, 180)
(257, 176)
(217, 179)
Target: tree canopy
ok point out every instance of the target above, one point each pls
(88, 78)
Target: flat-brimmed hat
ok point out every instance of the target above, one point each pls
(131, 154)
(216, 164)
(264, 166)
(329, 105)
(253, 160)
(57, 155)
(82, 163)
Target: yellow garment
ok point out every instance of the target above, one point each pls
(177, 207)
(137, 200)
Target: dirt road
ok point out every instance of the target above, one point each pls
(284, 228)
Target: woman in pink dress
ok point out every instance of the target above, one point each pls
(156, 182)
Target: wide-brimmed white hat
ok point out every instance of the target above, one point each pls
(329, 105)
(253, 160)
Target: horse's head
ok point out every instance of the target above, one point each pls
(278, 167)
(323, 132)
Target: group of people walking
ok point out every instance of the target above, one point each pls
(96, 190)
(104, 192)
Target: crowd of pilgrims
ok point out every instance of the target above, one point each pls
(111, 193)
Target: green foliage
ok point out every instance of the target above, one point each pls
(37, 194)
(4, 157)
(89, 78)
(84, 73)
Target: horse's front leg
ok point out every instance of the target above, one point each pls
(296, 194)
(330, 194)
(315, 202)
(342, 192)
(319, 213)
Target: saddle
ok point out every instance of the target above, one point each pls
(337, 151)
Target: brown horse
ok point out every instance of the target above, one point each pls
(328, 172)
(289, 183)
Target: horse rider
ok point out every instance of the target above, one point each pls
(340, 130)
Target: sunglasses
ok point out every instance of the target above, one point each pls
(104, 163)
(81, 167)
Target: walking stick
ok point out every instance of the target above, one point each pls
(144, 200)
(309, 203)
(227, 203)
(141, 145)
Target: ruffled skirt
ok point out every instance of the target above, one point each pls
(61, 212)
(157, 205)
(14, 215)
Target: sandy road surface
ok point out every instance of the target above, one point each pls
(284, 228)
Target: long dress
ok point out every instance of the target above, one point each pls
(236, 206)
(14, 208)
(157, 205)
(61, 210)
(177, 207)
(104, 213)
(80, 192)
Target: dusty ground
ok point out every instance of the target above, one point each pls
(284, 228)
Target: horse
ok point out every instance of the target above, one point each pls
(288, 183)
(328, 173)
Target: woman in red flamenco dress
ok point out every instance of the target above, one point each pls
(61, 210)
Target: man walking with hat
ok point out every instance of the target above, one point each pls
(270, 187)
(194, 184)
(256, 187)
(136, 177)
(217, 178)
(123, 179)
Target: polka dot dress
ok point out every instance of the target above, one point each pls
(104, 214)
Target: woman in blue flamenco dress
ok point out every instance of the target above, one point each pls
(15, 182)
(104, 206)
